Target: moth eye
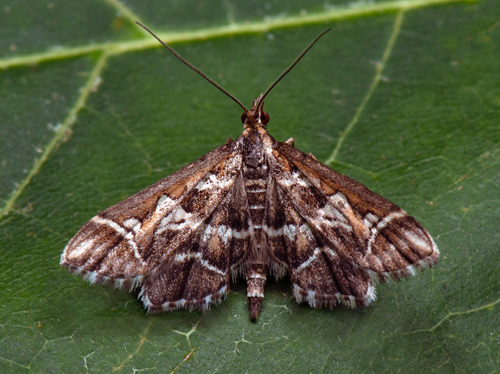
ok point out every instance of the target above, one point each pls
(264, 118)
(243, 117)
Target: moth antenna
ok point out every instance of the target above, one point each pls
(290, 68)
(195, 69)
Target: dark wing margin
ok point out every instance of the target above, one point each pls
(364, 230)
(138, 239)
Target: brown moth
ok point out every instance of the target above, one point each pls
(252, 207)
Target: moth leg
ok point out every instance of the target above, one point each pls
(312, 156)
(291, 142)
(229, 141)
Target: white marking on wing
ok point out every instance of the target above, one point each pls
(130, 239)
(213, 182)
(93, 276)
(207, 233)
(170, 222)
(181, 257)
(330, 251)
(330, 212)
(287, 182)
(163, 203)
(389, 218)
(127, 235)
(382, 224)
(240, 234)
(372, 218)
(273, 232)
(300, 180)
(133, 224)
(225, 233)
(83, 247)
(330, 216)
(340, 198)
(210, 267)
(416, 239)
(304, 228)
(289, 231)
(104, 221)
(308, 262)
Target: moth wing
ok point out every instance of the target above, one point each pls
(359, 226)
(317, 274)
(127, 242)
(199, 273)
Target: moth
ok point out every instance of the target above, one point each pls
(252, 207)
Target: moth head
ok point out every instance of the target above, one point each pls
(255, 117)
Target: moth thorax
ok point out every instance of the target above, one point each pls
(253, 148)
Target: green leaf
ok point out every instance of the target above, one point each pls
(400, 95)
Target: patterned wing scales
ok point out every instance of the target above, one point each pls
(318, 275)
(198, 275)
(132, 241)
(241, 229)
(273, 229)
(360, 228)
